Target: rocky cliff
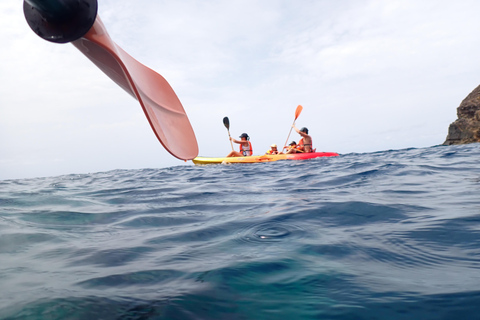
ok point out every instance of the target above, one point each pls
(466, 129)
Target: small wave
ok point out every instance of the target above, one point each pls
(266, 232)
(146, 278)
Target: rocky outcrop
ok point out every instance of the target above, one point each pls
(466, 129)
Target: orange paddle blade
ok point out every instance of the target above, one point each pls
(159, 102)
(298, 111)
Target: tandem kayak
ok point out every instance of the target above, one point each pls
(264, 158)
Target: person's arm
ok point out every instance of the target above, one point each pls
(303, 134)
(245, 143)
(236, 141)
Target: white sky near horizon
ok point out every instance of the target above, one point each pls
(371, 75)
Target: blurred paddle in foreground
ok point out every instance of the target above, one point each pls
(76, 21)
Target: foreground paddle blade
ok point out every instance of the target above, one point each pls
(226, 123)
(161, 105)
(52, 19)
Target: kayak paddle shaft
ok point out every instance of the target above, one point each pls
(297, 113)
(226, 123)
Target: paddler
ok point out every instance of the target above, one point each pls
(305, 143)
(245, 146)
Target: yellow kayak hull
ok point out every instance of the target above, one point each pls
(263, 158)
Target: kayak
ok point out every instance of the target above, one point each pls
(264, 158)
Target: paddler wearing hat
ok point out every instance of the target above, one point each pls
(245, 147)
(305, 143)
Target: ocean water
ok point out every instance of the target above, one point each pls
(384, 235)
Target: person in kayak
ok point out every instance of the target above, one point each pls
(245, 147)
(292, 148)
(273, 149)
(305, 143)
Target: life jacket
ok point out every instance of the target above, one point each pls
(301, 145)
(272, 152)
(246, 151)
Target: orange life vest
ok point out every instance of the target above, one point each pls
(301, 145)
(246, 151)
(272, 152)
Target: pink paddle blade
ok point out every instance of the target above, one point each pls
(161, 105)
(75, 21)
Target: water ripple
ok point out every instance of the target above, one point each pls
(266, 232)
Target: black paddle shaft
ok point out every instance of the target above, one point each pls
(60, 21)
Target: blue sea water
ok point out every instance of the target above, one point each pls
(384, 235)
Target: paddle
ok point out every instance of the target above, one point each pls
(226, 123)
(297, 113)
(77, 22)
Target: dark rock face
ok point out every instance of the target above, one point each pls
(466, 129)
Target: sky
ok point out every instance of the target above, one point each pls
(371, 75)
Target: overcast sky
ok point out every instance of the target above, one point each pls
(371, 76)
